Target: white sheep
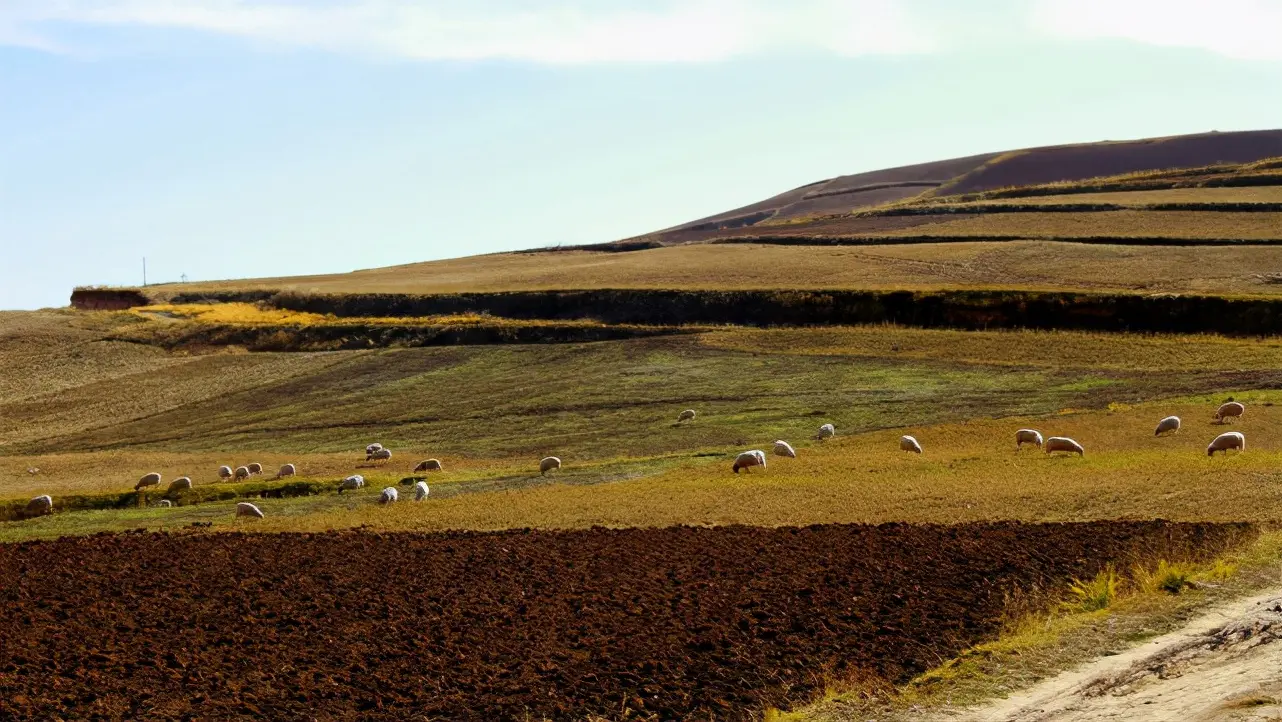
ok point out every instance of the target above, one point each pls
(254, 468)
(783, 448)
(372, 448)
(687, 415)
(749, 459)
(827, 431)
(179, 484)
(40, 506)
(224, 472)
(1170, 423)
(242, 472)
(244, 508)
(420, 491)
(286, 470)
(355, 481)
(388, 496)
(1230, 410)
(908, 443)
(1027, 436)
(164, 503)
(1063, 443)
(383, 454)
(549, 464)
(429, 465)
(1227, 440)
(151, 479)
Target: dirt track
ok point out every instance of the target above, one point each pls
(1224, 666)
(680, 623)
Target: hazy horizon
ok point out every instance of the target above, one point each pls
(227, 138)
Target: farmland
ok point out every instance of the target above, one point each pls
(643, 579)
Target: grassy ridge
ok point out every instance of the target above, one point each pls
(262, 327)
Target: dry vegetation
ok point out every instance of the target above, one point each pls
(609, 410)
(1139, 199)
(1043, 349)
(262, 315)
(1032, 265)
(1110, 224)
(970, 472)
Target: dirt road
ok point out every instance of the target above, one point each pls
(1226, 665)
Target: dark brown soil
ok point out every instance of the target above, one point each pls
(679, 623)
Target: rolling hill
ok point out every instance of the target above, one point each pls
(972, 174)
(1197, 214)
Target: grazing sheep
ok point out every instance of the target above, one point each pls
(182, 482)
(908, 443)
(151, 479)
(242, 472)
(783, 448)
(244, 508)
(165, 503)
(388, 496)
(254, 468)
(749, 459)
(1027, 436)
(1227, 440)
(372, 448)
(286, 470)
(40, 506)
(355, 481)
(380, 455)
(420, 491)
(224, 472)
(33, 470)
(1230, 410)
(827, 431)
(429, 465)
(1063, 443)
(1170, 423)
(687, 415)
(549, 464)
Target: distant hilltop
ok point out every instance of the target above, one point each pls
(977, 173)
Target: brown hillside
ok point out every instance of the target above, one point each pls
(978, 173)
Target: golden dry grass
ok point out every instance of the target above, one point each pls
(1046, 349)
(1110, 224)
(249, 314)
(496, 410)
(963, 264)
(970, 472)
(1256, 194)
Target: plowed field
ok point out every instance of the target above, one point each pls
(677, 623)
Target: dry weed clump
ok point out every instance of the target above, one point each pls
(260, 314)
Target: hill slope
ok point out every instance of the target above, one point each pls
(989, 171)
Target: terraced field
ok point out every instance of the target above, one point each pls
(643, 579)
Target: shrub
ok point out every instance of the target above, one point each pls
(1167, 577)
(1096, 594)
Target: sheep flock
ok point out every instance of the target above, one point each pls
(746, 461)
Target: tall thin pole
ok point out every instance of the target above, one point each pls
(144, 270)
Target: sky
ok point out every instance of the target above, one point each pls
(249, 138)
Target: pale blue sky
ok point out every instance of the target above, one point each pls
(230, 138)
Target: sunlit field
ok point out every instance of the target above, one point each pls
(970, 471)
